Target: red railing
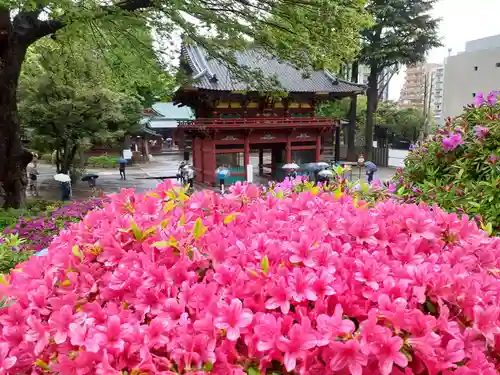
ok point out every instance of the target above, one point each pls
(258, 122)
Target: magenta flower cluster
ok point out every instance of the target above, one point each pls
(306, 283)
(39, 231)
(452, 141)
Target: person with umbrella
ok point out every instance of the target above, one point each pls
(371, 168)
(123, 163)
(65, 183)
(91, 179)
(33, 176)
(292, 170)
(180, 174)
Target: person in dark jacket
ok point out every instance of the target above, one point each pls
(65, 191)
(122, 171)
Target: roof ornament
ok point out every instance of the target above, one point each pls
(201, 64)
(333, 77)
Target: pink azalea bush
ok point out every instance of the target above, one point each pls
(458, 168)
(296, 283)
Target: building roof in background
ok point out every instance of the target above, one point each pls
(164, 115)
(163, 124)
(212, 74)
(169, 111)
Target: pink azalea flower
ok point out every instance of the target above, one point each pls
(233, 318)
(347, 354)
(6, 362)
(493, 97)
(295, 345)
(280, 297)
(481, 131)
(452, 142)
(387, 351)
(330, 327)
(61, 320)
(268, 332)
(479, 99)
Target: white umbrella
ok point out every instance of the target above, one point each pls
(325, 173)
(61, 177)
(291, 166)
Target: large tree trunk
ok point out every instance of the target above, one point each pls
(371, 107)
(13, 157)
(353, 109)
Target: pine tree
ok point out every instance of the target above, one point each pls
(402, 34)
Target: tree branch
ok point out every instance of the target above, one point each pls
(40, 28)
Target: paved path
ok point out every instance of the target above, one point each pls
(143, 177)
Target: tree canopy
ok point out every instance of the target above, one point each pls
(401, 34)
(403, 122)
(307, 35)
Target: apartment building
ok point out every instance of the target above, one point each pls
(437, 94)
(383, 84)
(417, 85)
(475, 70)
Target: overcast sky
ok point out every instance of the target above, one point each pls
(461, 21)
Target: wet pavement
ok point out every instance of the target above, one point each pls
(146, 176)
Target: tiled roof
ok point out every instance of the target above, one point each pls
(212, 74)
(170, 111)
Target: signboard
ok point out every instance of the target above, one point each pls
(127, 154)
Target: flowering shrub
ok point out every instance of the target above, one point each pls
(458, 168)
(9, 252)
(38, 231)
(305, 283)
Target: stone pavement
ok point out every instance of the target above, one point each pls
(143, 177)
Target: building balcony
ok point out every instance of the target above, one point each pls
(258, 123)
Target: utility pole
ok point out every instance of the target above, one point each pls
(427, 104)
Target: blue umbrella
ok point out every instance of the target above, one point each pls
(222, 173)
(122, 161)
(370, 165)
(42, 253)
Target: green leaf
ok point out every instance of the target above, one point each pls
(199, 229)
(208, 366)
(253, 371)
(136, 231)
(264, 264)
(76, 252)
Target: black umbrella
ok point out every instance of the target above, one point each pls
(91, 176)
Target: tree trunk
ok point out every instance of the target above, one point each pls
(353, 109)
(14, 158)
(371, 107)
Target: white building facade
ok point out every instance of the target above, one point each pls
(437, 94)
(476, 70)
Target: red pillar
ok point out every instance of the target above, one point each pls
(194, 147)
(288, 157)
(246, 155)
(318, 147)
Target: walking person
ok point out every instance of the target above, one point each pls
(371, 168)
(33, 177)
(122, 170)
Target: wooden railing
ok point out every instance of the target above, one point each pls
(258, 122)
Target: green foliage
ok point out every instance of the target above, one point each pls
(66, 104)
(102, 161)
(465, 179)
(402, 33)
(405, 122)
(10, 255)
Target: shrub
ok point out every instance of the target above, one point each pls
(289, 283)
(103, 161)
(10, 252)
(43, 220)
(459, 168)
